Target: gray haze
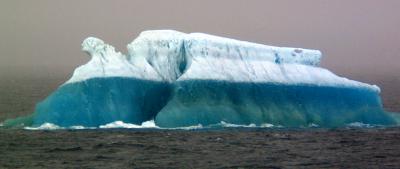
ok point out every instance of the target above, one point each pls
(358, 37)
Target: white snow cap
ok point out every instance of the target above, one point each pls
(168, 55)
(215, 46)
(106, 62)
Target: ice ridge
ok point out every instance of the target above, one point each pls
(166, 55)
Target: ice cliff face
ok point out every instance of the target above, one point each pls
(163, 50)
(181, 79)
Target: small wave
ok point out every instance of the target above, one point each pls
(312, 125)
(360, 125)
(252, 125)
(121, 124)
(45, 126)
(116, 124)
(81, 127)
(222, 124)
(151, 124)
(195, 127)
(267, 125)
(225, 124)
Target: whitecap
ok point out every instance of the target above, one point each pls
(312, 125)
(225, 124)
(359, 125)
(121, 124)
(266, 125)
(195, 127)
(80, 127)
(45, 126)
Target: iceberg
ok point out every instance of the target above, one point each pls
(182, 80)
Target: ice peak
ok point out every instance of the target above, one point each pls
(91, 45)
(94, 46)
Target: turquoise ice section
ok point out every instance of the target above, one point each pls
(209, 102)
(100, 101)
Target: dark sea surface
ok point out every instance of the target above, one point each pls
(230, 148)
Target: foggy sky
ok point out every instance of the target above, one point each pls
(355, 36)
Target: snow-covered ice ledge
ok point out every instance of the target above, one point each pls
(167, 55)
